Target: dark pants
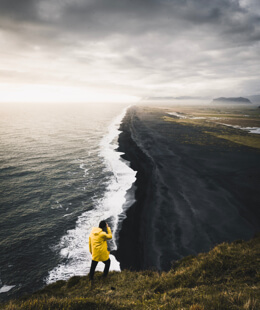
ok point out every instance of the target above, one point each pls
(94, 265)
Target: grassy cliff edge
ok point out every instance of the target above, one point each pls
(228, 277)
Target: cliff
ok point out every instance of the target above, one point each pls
(227, 277)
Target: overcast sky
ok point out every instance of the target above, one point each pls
(57, 50)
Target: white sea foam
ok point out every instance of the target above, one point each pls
(82, 166)
(68, 214)
(74, 245)
(123, 175)
(6, 288)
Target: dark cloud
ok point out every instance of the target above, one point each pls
(146, 42)
(102, 18)
(19, 10)
(226, 20)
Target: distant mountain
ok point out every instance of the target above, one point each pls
(233, 100)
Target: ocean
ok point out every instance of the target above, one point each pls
(60, 174)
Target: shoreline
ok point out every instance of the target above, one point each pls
(187, 198)
(129, 252)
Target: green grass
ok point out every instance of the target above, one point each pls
(249, 140)
(225, 278)
(214, 129)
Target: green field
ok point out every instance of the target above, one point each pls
(219, 123)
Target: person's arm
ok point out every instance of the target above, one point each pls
(107, 235)
(90, 246)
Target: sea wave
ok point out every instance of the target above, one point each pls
(73, 247)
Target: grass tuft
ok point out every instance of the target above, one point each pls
(228, 277)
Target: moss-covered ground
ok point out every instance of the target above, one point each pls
(224, 124)
(228, 277)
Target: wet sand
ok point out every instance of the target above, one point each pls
(189, 196)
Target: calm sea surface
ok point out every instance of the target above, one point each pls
(59, 176)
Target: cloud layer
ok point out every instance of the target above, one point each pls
(140, 48)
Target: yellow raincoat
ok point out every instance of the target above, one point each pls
(98, 244)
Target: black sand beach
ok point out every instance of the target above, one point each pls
(194, 190)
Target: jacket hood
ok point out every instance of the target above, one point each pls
(96, 230)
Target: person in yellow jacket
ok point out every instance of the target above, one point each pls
(98, 248)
